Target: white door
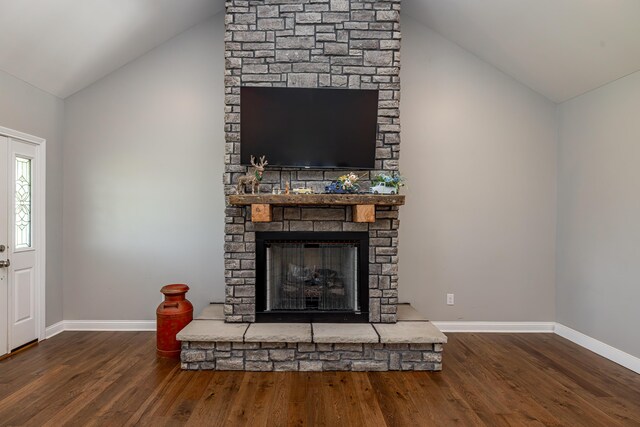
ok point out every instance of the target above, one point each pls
(18, 264)
(4, 239)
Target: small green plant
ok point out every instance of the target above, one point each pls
(393, 181)
(345, 184)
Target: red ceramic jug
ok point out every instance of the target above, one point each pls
(173, 314)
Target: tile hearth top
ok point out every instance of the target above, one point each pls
(344, 333)
(410, 329)
(412, 332)
(213, 330)
(278, 332)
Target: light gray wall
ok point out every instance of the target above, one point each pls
(478, 150)
(27, 109)
(479, 153)
(143, 193)
(598, 289)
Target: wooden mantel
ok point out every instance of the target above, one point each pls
(316, 199)
(364, 205)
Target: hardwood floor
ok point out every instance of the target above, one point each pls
(114, 378)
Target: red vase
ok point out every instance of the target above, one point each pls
(173, 314)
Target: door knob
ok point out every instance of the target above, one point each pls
(6, 263)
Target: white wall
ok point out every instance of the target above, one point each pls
(479, 153)
(27, 109)
(143, 192)
(598, 290)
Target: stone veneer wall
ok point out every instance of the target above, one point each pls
(312, 43)
(225, 356)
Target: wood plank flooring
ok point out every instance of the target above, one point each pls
(114, 379)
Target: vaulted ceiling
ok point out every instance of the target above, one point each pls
(559, 48)
(62, 46)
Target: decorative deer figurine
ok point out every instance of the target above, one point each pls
(253, 178)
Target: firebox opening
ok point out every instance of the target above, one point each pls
(319, 276)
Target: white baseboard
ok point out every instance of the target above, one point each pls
(100, 325)
(605, 350)
(54, 329)
(510, 327)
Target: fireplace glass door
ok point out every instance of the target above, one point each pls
(307, 276)
(312, 276)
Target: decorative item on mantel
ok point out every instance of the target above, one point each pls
(302, 190)
(387, 184)
(254, 178)
(346, 184)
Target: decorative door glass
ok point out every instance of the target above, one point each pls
(23, 203)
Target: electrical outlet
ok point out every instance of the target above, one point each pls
(450, 299)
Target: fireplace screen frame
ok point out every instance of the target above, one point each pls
(359, 239)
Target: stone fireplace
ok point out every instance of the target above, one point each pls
(312, 280)
(351, 44)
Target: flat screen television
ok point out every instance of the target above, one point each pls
(309, 128)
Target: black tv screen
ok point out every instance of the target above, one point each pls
(311, 128)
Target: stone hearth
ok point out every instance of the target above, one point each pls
(411, 344)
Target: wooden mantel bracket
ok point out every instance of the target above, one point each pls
(364, 213)
(261, 212)
(364, 205)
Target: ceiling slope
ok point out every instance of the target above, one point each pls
(63, 46)
(559, 48)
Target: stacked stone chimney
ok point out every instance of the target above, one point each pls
(351, 44)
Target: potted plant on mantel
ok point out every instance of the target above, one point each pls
(346, 184)
(387, 184)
